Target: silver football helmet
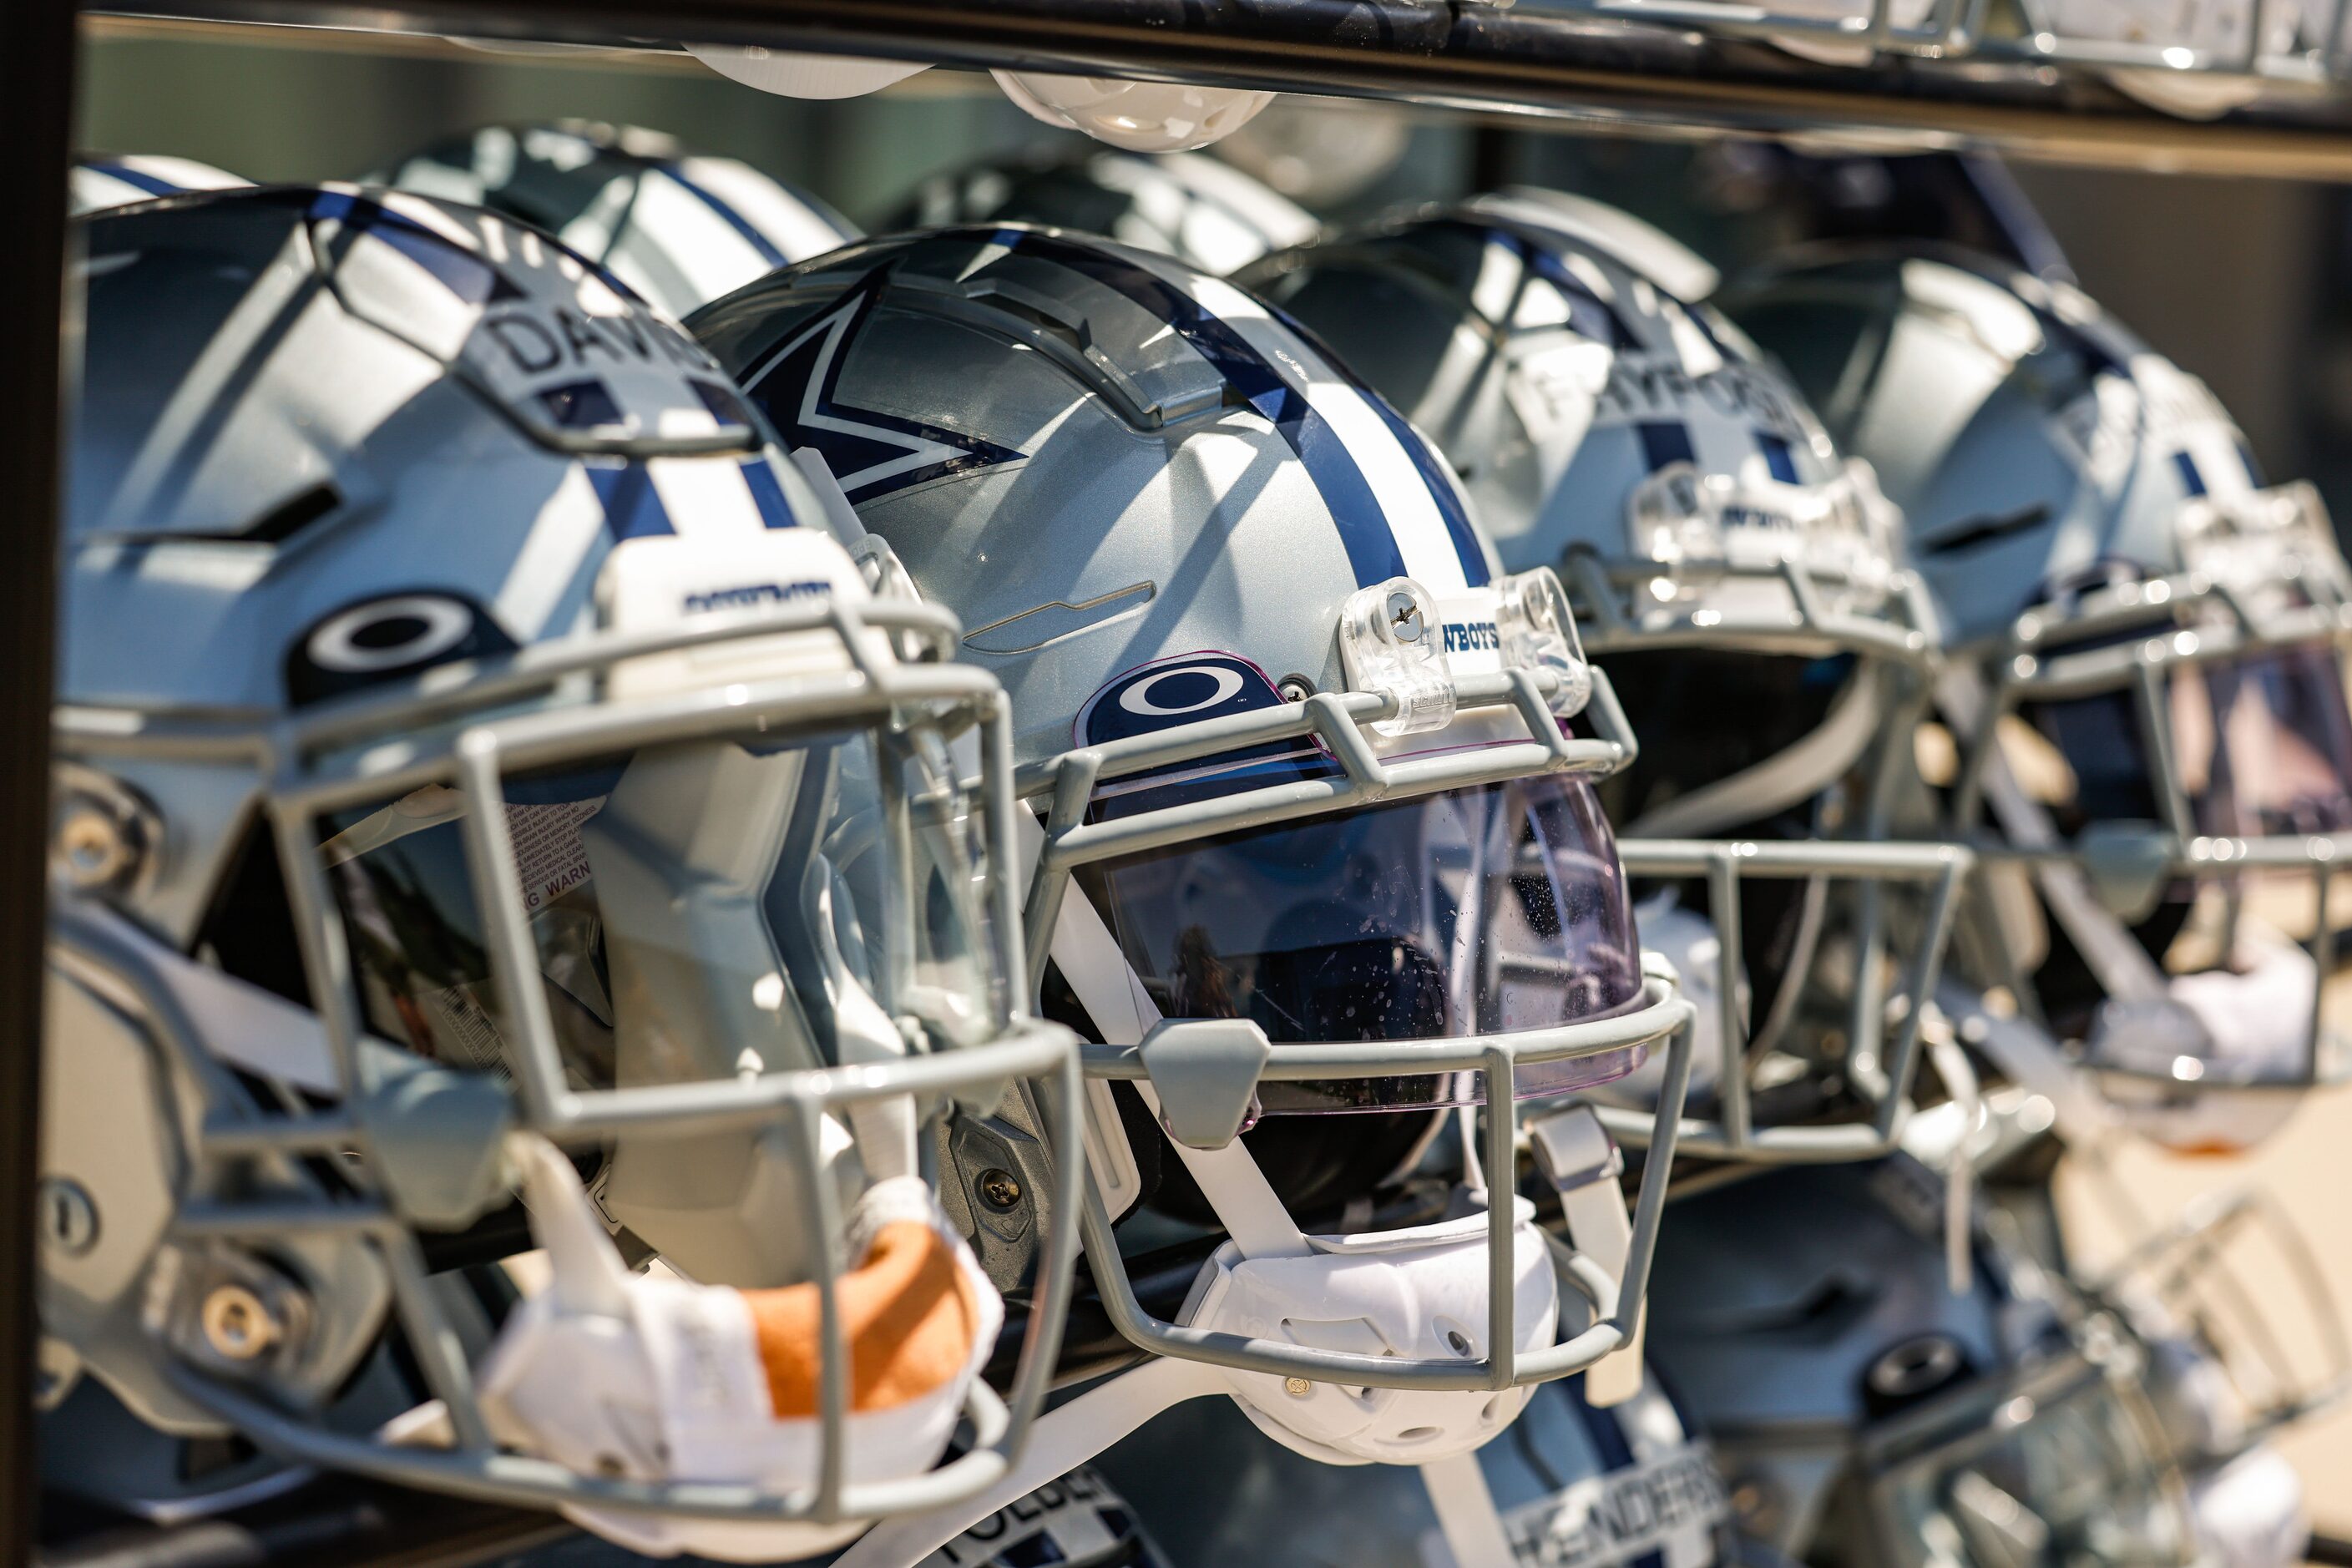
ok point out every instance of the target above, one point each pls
(1318, 860)
(2147, 702)
(679, 228)
(117, 180)
(1205, 212)
(1868, 1416)
(472, 740)
(1726, 564)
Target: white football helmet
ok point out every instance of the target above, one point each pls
(1205, 213)
(113, 181)
(1728, 565)
(2147, 702)
(1319, 862)
(681, 228)
(1137, 116)
(481, 769)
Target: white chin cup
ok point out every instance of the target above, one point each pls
(2216, 1026)
(791, 75)
(2250, 1512)
(1139, 116)
(609, 1372)
(1419, 1294)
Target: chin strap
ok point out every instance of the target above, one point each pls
(1959, 1168)
(1586, 1168)
(1466, 1515)
(1105, 984)
(1064, 1438)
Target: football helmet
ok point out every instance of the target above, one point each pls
(472, 740)
(1726, 565)
(2237, 1331)
(789, 73)
(1205, 213)
(100, 181)
(1134, 116)
(1318, 860)
(681, 228)
(2145, 700)
(1864, 1412)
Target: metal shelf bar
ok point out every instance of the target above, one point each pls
(1461, 56)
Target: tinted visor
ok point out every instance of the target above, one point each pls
(1417, 920)
(2261, 746)
(698, 911)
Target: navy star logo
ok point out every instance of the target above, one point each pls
(872, 453)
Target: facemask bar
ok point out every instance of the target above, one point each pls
(1951, 1431)
(305, 787)
(1340, 720)
(1629, 614)
(1884, 1074)
(2030, 669)
(2179, 1265)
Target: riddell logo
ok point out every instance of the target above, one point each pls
(754, 594)
(1466, 636)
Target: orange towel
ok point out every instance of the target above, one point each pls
(908, 1315)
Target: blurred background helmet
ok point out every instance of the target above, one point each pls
(1737, 578)
(2149, 705)
(1226, 587)
(114, 180)
(681, 228)
(1864, 1411)
(471, 737)
(1136, 116)
(790, 74)
(1203, 212)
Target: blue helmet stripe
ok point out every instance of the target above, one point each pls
(1665, 441)
(1779, 457)
(735, 220)
(2191, 480)
(1440, 491)
(768, 494)
(1466, 548)
(138, 178)
(1364, 529)
(633, 508)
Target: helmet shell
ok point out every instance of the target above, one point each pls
(297, 401)
(2027, 436)
(1538, 341)
(1097, 457)
(117, 180)
(679, 228)
(1205, 213)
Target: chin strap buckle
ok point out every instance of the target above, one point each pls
(1586, 1168)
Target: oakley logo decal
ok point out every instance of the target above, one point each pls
(388, 639)
(1187, 688)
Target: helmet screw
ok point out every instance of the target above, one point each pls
(91, 846)
(1297, 1387)
(1295, 688)
(69, 1217)
(1000, 1189)
(237, 1324)
(1404, 617)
